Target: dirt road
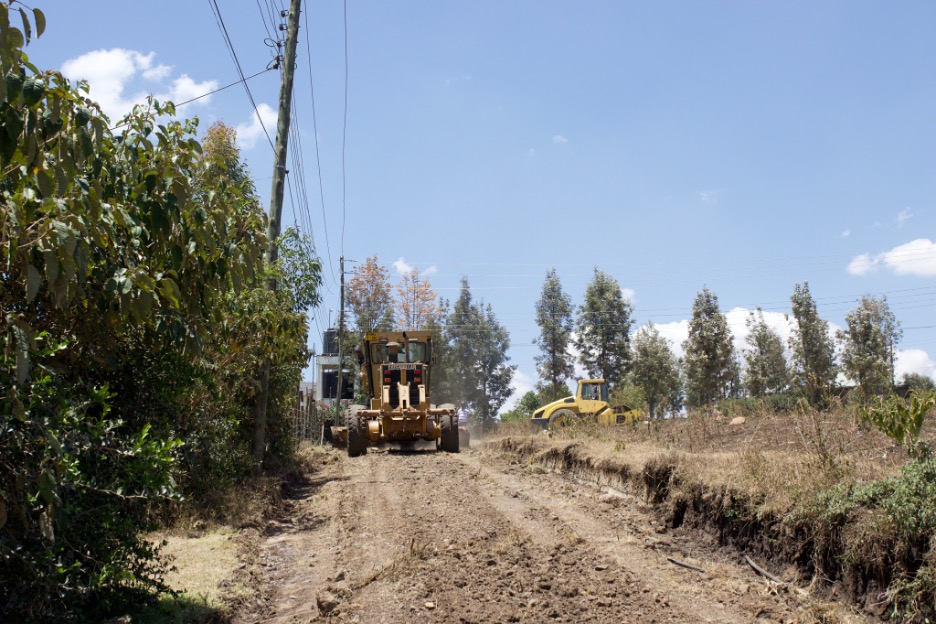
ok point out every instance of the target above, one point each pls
(431, 537)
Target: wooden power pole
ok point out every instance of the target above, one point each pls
(276, 212)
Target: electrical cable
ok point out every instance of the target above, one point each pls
(213, 4)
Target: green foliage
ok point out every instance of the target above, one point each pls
(656, 371)
(630, 395)
(814, 367)
(766, 371)
(709, 363)
(134, 317)
(554, 316)
(603, 329)
(477, 359)
(868, 341)
(902, 420)
(911, 381)
(526, 405)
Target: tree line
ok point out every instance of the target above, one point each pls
(642, 368)
(134, 320)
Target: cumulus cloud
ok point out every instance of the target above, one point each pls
(916, 258)
(114, 77)
(249, 133)
(862, 264)
(914, 361)
(678, 331)
(403, 267)
(560, 140)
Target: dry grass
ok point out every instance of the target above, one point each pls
(773, 458)
(200, 563)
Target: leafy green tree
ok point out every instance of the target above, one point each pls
(478, 358)
(655, 370)
(523, 409)
(603, 329)
(767, 371)
(442, 374)
(868, 341)
(554, 316)
(813, 359)
(134, 313)
(916, 381)
(709, 361)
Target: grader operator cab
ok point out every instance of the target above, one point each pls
(589, 403)
(396, 376)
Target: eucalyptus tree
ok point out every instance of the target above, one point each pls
(814, 368)
(766, 370)
(868, 341)
(655, 370)
(709, 362)
(554, 316)
(477, 357)
(603, 329)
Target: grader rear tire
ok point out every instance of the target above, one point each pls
(449, 439)
(357, 432)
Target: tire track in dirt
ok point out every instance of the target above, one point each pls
(432, 537)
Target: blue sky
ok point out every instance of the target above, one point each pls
(743, 146)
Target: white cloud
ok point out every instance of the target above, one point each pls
(111, 75)
(184, 88)
(628, 294)
(678, 331)
(861, 265)
(916, 258)
(520, 385)
(405, 268)
(905, 215)
(402, 266)
(846, 233)
(709, 198)
(157, 73)
(249, 133)
(914, 361)
(560, 140)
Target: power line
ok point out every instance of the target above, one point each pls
(213, 4)
(318, 157)
(344, 132)
(204, 95)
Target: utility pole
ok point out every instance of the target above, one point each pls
(341, 331)
(276, 213)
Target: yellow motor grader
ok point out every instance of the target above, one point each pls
(589, 403)
(396, 375)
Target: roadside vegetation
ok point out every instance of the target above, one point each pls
(135, 318)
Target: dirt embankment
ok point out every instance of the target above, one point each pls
(488, 536)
